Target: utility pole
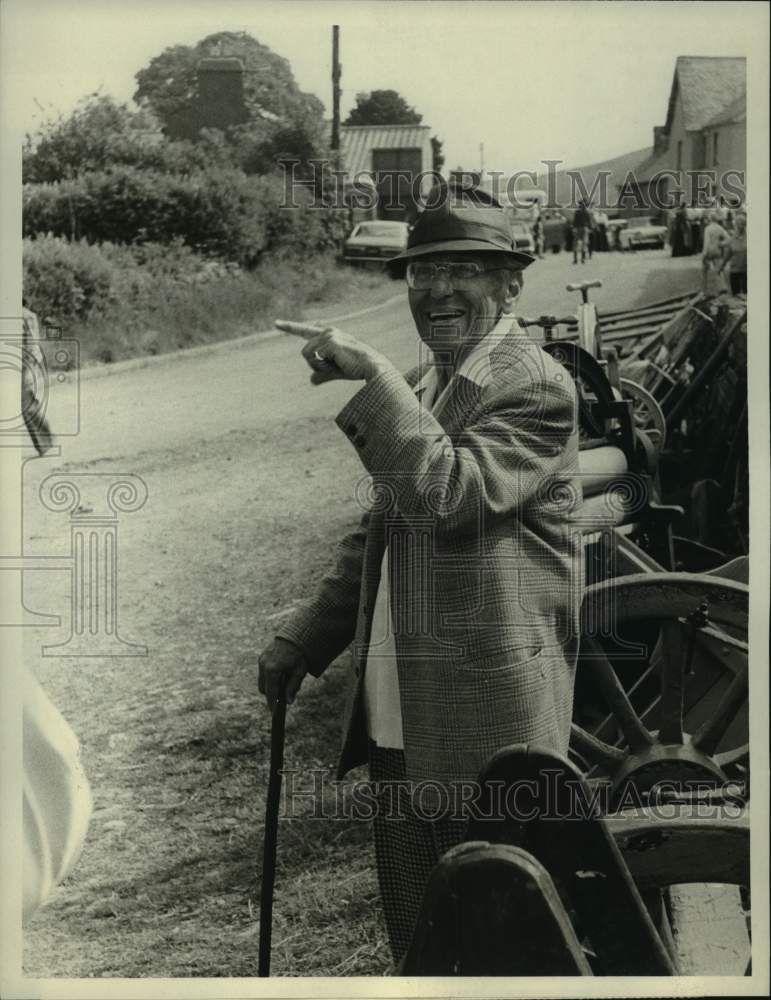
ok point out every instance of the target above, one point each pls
(481, 157)
(336, 72)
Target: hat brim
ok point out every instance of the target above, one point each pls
(398, 265)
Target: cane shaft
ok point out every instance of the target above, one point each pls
(271, 834)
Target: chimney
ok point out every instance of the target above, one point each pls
(660, 138)
(220, 92)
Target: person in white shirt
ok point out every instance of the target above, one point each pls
(715, 239)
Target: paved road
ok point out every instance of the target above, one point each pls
(202, 396)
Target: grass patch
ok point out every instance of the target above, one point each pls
(124, 302)
(183, 316)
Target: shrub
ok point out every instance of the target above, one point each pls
(101, 134)
(124, 301)
(67, 280)
(218, 212)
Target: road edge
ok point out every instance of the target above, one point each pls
(220, 346)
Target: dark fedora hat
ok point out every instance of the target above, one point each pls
(461, 221)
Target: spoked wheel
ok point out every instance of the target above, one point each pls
(592, 386)
(666, 655)
(648, 415)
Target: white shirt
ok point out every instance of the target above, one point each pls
(381, 679)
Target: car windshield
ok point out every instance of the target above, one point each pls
(379, 229)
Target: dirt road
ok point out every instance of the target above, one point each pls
(249, 485)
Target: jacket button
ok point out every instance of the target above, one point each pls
(359, 441)
(351, 430)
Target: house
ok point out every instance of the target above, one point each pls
(388, 158)
(705, 130)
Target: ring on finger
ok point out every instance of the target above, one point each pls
(318, 357)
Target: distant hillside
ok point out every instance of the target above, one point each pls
(618, 166)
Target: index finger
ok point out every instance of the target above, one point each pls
(305, 330)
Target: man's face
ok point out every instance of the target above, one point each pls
(451, 316)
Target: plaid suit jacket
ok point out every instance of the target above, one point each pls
(486, 573)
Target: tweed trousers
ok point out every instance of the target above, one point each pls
(407, 845)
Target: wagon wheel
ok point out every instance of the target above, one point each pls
(688, 845)
(676, 702)
(595, 395)
(648, 415)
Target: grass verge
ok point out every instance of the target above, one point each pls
(176, 315)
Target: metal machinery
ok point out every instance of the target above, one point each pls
(660, 714)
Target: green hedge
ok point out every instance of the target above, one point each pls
(128, 301)
(78, 281)
(220, 212)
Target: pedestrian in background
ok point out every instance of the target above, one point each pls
(712, 256)
(735, 256)
(582, 221)
(696, 221)
(601, 230)
(681, 242)
(538, 236)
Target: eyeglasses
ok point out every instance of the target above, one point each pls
(421, 274)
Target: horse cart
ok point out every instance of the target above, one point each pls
(597, 876)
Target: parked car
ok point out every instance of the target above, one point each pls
(523, 236)
(642, 233)
(374, 241)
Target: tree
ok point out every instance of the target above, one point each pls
(272, 100)
(382, 107)
(101, 134)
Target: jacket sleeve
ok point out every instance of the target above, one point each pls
(514, 450)
(326, 623)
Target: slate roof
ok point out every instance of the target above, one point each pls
(707, 84)
(734, 113)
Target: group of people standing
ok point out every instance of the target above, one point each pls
(720, 235)
(587, 233)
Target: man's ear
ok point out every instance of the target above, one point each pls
(513, 291)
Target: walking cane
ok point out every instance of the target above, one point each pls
(271, 830)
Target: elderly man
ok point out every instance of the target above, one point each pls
(461, 587)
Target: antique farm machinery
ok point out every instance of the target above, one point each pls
(656, 791)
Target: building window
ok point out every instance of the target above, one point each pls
(679, 155)
(714, 149)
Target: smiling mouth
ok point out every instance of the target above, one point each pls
(445, 315)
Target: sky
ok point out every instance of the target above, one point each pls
(573, 81)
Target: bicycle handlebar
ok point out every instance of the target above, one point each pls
(547, 322)
(580, 286)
